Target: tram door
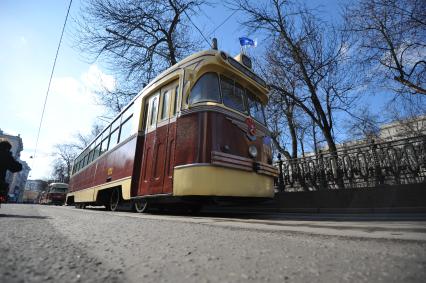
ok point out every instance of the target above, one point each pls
(171, 137)
(149, 136)
(158, 163)
(164, 143)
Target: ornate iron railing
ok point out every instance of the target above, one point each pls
(368, 165)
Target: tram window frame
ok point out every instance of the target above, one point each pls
(145, 115)
(204, 83)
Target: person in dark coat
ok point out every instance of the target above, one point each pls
(7, 162)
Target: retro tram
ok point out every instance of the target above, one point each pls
(194, 134)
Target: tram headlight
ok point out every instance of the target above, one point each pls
(252, 151)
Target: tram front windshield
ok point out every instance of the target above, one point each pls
(59, 190)
(231, 93)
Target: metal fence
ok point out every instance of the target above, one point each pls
(363, 166)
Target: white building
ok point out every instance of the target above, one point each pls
(403, 129)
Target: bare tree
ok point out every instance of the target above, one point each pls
(138, 38)
(391, 35)
(364, 124)
(280, 115)
(62, 165)
(67, 152)
(306, 54)
(115, 99)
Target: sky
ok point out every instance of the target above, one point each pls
(30, 32)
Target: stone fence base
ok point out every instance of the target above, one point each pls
(399, 198)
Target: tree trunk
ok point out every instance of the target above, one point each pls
(333, 157)
(292, 130)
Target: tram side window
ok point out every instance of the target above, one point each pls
(126, 124)
(233, 95)
(104, 141)
(74, 168)
(128, 112)
(154, 109)
(104, 146)
(91, 154)
(126, 129)
(165, 105)
(85, 160)
(97, 151)
(205, 89)
(175, 104)
(114, 138)
(115, 124)
(115, 130)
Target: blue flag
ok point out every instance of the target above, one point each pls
(245, 41)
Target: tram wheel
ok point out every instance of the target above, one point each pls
(140, 205)
(113, 201)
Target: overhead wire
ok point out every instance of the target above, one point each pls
(50, 81)
(221, 24)
(56, 57)
(197, 29)
(189, 18)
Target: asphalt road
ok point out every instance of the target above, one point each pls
(64, 244)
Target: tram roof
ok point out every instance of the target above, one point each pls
(191, 59)
(63, 185)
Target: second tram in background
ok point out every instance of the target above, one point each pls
(194, 134)
(56, 194)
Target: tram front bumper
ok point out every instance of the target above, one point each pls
(210, 180)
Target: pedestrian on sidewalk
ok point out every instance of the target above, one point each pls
(7, 162)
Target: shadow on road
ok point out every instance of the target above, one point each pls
(23, 216)
(258, 214)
